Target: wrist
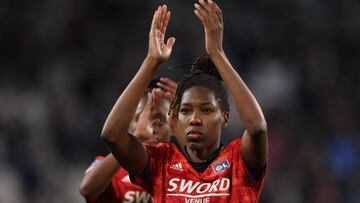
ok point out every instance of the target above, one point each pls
(219, 53)
(151, 60)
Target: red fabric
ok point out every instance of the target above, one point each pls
(227, 179)
(121, 190)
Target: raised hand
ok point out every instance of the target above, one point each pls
(210, 16)
(168, 86)
(145, 126)
(158, 50)
(142, 129)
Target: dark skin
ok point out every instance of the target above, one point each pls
(132, 154)
(150, 126)
(254, 148)
(128, 150)
(202, 120)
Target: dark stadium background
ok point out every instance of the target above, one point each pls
(63, 63)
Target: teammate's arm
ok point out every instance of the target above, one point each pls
(128, 150)
(254, 141)
(98, 177)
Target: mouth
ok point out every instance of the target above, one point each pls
(194, 135)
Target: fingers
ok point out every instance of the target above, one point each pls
(147, 107)
(170, 42)
(170, 83)
(162, 16)
(160, 20)
(201, 14)
(168, 86)
(154, 22)
(218, 13)
(166, 21)
(208, 12)
(156, 97)
(168, 95)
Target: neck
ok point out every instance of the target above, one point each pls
(201, 155)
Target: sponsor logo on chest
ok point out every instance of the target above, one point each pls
(193, 189)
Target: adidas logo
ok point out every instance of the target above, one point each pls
(126, 179)
(177, 166)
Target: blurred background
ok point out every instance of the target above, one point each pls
(63, 64)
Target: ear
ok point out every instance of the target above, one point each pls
(226, 117)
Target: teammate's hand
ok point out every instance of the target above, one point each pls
(158, 50)
(168, 86)
(210, 16)
(146, 126)
(142, 129)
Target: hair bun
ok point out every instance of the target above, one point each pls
(203, 64)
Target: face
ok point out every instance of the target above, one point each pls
(201, 119)
(150, 123)
(161, 131)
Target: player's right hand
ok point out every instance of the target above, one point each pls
(158, 50)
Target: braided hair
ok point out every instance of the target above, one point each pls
(203, 73)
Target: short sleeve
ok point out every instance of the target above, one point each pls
(109, 194)
(147, 178)
(248, 175)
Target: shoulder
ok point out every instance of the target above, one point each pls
(236, 143)
(162, 146)
(162, 150)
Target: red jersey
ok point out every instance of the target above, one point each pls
(120, 190)
(172, 179)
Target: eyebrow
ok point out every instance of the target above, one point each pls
(202, 104)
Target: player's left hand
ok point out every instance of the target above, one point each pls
(210, 16)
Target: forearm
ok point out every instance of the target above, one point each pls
(245, 103)
(254, 140)
(124, 146)
(99, 177)
(118, 121)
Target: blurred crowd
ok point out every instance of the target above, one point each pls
(63, 63)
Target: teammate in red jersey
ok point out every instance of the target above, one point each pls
(205, 171)
(105, 180)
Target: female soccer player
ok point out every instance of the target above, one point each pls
(205, 171)
(105, 180)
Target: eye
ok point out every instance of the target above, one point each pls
(207, 110)
(184, 110)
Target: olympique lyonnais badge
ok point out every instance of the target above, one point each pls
(220, 165)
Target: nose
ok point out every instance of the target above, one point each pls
(195, 120)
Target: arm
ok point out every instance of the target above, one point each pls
(98, 177)
(128, 150)
(169, 87)
(254, 141)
